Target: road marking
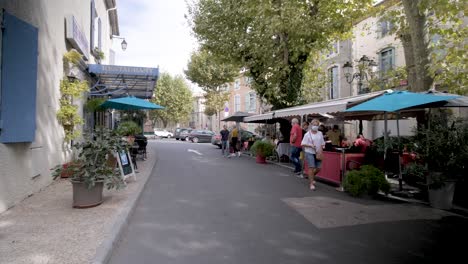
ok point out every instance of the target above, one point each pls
(194, 151)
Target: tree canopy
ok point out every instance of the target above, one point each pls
(434, 37)
(272, 38)
(209, 72)
(174, 94)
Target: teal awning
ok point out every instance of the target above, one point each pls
(400, 100)
(130, 103)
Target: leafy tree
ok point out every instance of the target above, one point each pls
(211, 74)
(433, 34)
(272, 38)
(174, 94)
(315, 79)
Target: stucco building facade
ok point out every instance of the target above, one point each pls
(44, 30)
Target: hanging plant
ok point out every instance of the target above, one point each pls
(94, 104)
(73, 57)
(99, 54)
(68, 115)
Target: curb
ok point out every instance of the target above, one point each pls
(104, 251)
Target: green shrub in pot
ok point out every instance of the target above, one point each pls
(366, 180)
(94, 160)
(262, 148)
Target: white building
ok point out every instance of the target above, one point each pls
(36, 35)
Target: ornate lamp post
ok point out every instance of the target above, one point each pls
(360, 75)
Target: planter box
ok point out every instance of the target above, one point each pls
(86, 198)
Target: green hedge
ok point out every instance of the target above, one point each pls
(367, 180)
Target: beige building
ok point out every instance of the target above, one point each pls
(242, 98)
(198, 118)
(36, 35)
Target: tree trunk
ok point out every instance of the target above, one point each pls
(416, 23)
(409, 59)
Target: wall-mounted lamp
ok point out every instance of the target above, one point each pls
(123, 44)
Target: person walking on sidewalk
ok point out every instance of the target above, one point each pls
(295, 141)
(313, 143)
(234, 139)
(224, 140)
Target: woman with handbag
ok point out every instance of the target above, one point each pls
(313, 145)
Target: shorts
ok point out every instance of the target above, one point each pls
(312, 162)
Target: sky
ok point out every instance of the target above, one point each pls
(157, 35)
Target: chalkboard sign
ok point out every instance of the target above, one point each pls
(125, 164)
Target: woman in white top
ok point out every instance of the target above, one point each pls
(312, 144)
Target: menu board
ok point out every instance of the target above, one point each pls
(125, 164)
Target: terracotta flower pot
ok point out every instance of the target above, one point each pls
(260, 159)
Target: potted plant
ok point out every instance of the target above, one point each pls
(262, 149)
(129, 129)
(94, 167)
(442, 146)
(367, 180)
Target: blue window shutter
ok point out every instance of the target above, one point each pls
(19, 80)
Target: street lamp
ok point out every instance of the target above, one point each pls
(361, 74)
(123, 44)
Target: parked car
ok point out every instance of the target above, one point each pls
(185, 133)
(200, 136)
(162, 133)
(149, 135)
(245, 136)
(179, 130)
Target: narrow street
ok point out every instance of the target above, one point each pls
(199, 207)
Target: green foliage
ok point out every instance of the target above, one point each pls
(262, 148)
(315, 79)
(442, 146)
(367, 180)
(209, 72)
(128, 128)
(445, 47)
(272, 39)
(389, 79)
(174, 94)
(99, 54)
(415, 172)
(68, 115)
(72, 56)
(215, 101)
(94, 104)
(93, 164)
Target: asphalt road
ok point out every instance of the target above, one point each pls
(199, 207)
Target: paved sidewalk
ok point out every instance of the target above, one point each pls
(44, 228)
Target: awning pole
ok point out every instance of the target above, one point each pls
(385, 143)
(400, 177)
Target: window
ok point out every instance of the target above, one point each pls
(385, 28)
(237, 103)
(252, 102)
(333, 72)
(236, 85)
(387, 60)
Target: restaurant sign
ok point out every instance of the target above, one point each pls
(125, 70)
(76, 37)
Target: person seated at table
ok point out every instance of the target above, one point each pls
(345, 143)
(334, 135)
(328, 144)
(362, 143)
